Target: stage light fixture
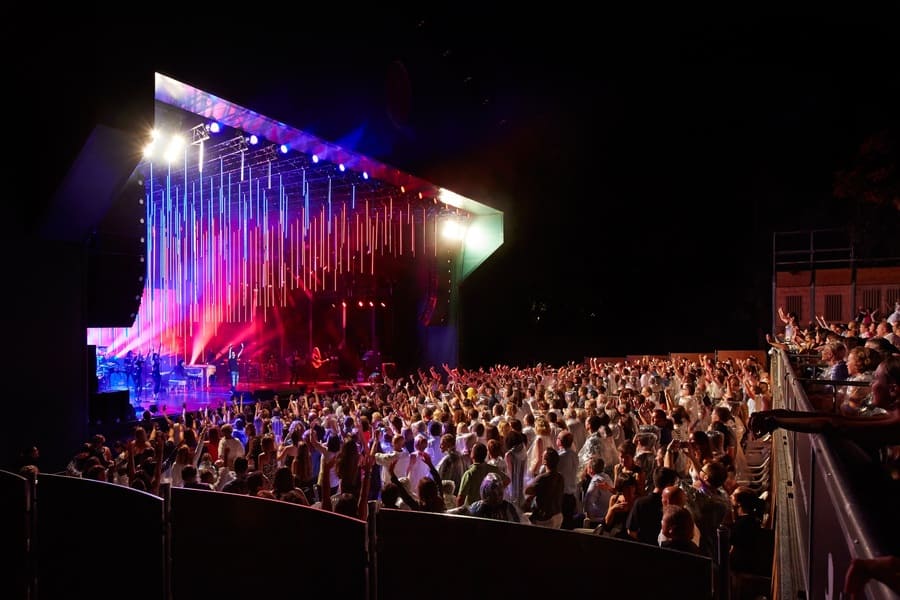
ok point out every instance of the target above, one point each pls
(199, 134)
(341, 167)
(151, 145)
(270, 153)
(254, 140)
(365, 175)
(315, 159)
(214, 127)
(284, 149)
(174, 147)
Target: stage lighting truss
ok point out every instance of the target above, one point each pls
(199, 134)
(269, 153)
(235, 145)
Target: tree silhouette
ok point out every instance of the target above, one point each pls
(872, 187)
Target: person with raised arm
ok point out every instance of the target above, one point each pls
(877, 421)
(234, 366)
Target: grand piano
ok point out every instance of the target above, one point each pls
(199, 375)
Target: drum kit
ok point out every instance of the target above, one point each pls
(111, 374)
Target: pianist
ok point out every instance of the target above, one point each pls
(179, 372)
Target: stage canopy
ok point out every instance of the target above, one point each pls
(244, 213)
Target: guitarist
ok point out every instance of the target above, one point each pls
(317, 361)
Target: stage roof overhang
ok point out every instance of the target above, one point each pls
(323, 172)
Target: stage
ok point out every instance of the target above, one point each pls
(119, 406)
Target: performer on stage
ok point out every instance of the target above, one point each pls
(317, 361)
(233, 365)
(138, 374)
(129, 369)
(155, 373)
(296, 364)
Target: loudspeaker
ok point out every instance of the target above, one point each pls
(117, 265)
(110, 407)
(91, 370)
(436, 305)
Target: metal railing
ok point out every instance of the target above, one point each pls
(827, 508)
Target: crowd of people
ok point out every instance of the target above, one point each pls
(651, 451)
(582, 446)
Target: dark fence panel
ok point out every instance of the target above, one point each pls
(98, 540)
(16, 570)
(242, 542)
(505, 560)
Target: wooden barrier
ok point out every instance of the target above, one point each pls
(605, 359)
(691, 357)
(639, 358)
(736, 355)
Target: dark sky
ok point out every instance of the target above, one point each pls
(642, 165)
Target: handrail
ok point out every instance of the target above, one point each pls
(824, 518)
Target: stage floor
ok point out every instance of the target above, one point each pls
(173, 399)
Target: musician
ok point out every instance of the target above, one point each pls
(138, 374)
(129, 368)
(233, 365)
(317, 361)
(296, 364)
(179, 373)
(155, 373)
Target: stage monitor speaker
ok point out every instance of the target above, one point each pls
(110, 407)
(264, 394)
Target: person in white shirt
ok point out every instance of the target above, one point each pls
(229, 446)
(397, 453)
(894, 317)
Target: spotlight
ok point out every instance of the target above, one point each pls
(453, 230)
(315, 159)
(284, 149)
(360, 303)
(148, 149)
(341, 167)
(365, 175)
(253, 139)
(214, 127)
(175, 145)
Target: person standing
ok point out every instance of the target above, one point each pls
(295, 366)
(234, 366)
(155, 374)
(138, 374)
(547, 493)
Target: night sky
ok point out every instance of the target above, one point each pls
(642, 166)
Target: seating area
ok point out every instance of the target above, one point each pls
(756, 473)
